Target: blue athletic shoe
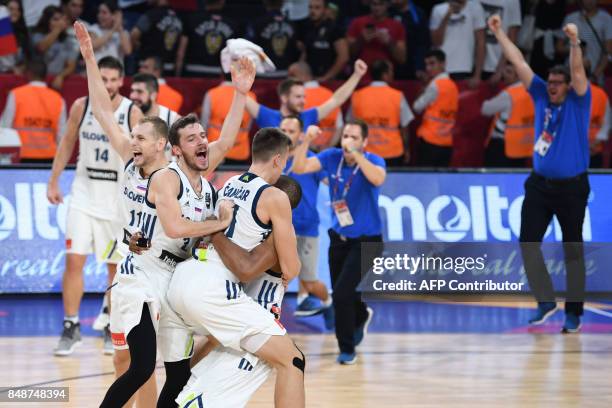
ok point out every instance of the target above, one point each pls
(572, 323)
(311, 306)
(362, 330)
(329, 317)
(544, 311)
(347, 358)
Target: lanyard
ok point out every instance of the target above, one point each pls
(288, 170)
(552, 119)
(338, 179)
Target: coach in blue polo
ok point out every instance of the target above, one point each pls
(355, 177)
(558, 184)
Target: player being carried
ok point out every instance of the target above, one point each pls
(173, 204)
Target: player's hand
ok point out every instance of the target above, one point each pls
(312, 133)
(226, 212)
(243, 74)
(84, 40)
(360, 67)
(495, 23)
(571, 31)
(134, 247)
(54, 194)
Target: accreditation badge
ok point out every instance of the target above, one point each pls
(543, 143)
(342, 213)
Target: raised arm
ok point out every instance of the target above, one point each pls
(511, 51)
(243, 75)
(344, 92)
(245, 265)
(163, 190)
(302, 163)
(64, 150)
(101, 105)
(580, 83)
(252, 106)
(374, 173)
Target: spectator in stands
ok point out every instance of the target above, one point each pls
(595, 28)
(315, 95)
(108, 36)
(510, 140)
(440, 101)
(277, 36)
(33, 10)
(323, 45)
(73, 10)
(203, 39)
(215, 107)
(549, 16)
(15, 62)
(416, 25)
(510, 12)
(292, 95)
(457, 27)
(167, 96)
(157, 33)
(38, 113)
(387, 114)
(377, 36)
(51, 41)
(599, 122)
(295, 10)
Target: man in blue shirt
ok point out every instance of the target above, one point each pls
(306, 224)
(292, 97)
(558, 184)
(355, 178)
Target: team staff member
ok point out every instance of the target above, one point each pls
(215, 106)
(510, 139)
(292, 95)
(440, 101)
(355, 178)
(38, 113)
(387, 114)
(559, 184)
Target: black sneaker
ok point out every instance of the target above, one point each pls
(71, 337)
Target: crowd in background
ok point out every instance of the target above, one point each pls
(396, 38)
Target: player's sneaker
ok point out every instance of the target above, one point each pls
(347, 358)
(544, 311)
(308, 307)
(362, 330)
(71, 337)
(102, 320)
(109, 350)
(572, 323)
(329, 317)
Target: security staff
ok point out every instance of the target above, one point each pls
(354, 180)
(559, 184)
(38, 113)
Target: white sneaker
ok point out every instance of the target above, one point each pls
(101, 321)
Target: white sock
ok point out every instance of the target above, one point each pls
(301, 298)
(328, 302)
(73, 319)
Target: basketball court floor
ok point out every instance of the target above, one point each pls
(417, 354)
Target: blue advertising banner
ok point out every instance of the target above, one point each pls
(444, 207)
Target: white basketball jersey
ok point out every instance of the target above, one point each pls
(170, 251)
(131, 201)
(246, 229)
(168, 116)
(99, 168)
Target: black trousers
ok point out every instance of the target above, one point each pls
(345, 270)
(495, 155)
(432, 155)
(567, 200)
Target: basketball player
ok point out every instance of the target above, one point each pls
(132, 292)
(226, 372)
(96, 183)
(210, 298)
